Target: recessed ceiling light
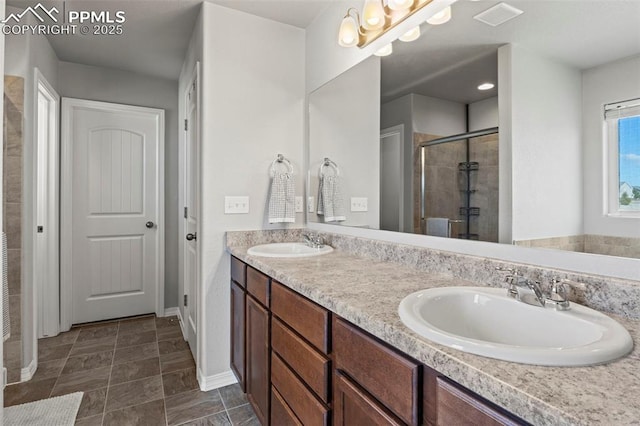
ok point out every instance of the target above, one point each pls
(498, 14)
(486, 86)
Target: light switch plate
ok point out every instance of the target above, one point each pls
(236, 205)
(299, 205)
(311, 202)
(359, 204)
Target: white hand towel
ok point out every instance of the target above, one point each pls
(282, 199)
(438, 226)
(330, 202)
(6, 324)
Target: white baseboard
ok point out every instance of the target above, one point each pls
(27, 372)
(216, 381)
(169, 312)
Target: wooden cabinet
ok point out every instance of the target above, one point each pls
(456, 405)
(302, 365)
(258, 343)
(238, 300)
(352, 406)
(388, 375)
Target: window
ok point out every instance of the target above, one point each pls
(623, 147)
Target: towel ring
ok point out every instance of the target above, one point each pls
(328, 163)
(280, 160)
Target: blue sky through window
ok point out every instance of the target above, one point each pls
(629, 149)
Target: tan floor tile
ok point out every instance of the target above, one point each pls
(92, 346)
(173, 345)
(243, 416)
(78, 363)
(148, 414)
(135, 353)
(136, 339)
(169, 333)
(179, 381)
(176, 361)
(97, 332)
(232, 396)
(192, 405)
(90, 421)
(53, 352)
(134, 393)
(92, 403)
(219, 419)
(164, 322)
(82, 381)
(135, 370)
(48, 369)
(68, 337)
(136, 326)
(21, 393)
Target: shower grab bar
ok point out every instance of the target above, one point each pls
(280, 160)
(328, 163)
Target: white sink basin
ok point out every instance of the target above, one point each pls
(485, 321)
(288, 250)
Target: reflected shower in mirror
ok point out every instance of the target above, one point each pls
(540, 80)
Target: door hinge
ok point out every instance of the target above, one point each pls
(186, 124)
(40, 229)
(185, 300)
(193, 86)
(186, 212)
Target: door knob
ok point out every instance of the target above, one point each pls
(191, 237)
(149, 224)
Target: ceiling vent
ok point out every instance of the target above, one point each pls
(498, 14)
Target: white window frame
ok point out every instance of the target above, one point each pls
(612, 114)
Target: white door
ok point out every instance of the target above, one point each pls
(116, 213)
(391, 179)
(190, 180)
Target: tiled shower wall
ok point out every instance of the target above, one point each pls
(12, 209)
(443, 195)
(595, 244)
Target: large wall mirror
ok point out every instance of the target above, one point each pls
(411, 143)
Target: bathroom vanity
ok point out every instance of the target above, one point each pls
(306, 365)
(319, 340)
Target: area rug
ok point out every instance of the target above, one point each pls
(58, 411)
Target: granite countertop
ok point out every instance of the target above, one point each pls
(367, 292)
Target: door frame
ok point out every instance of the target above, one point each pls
(66, 200)
(398, 129)
(46, 272)
(194, 76)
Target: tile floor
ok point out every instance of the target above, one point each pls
(133, 372)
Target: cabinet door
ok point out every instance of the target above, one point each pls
(238, 297)
(460, 407)
(353, 407)
(258, 359)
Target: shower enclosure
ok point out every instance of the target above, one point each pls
(459, 183)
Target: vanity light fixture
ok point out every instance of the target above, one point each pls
(378, 17)
(441, 17)
(486, 86)
(410, 35)
(384, 50)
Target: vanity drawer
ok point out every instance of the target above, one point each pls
(281, 414)
(302, 402)
(258, 285)
(305, 317)
(458, 406)
(238, 271)
(390, 377)
(312, 367)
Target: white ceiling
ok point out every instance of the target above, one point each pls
(449, 61)
(583, 33)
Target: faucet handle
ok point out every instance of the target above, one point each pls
(558, 294)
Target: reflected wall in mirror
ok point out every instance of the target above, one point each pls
(541, 181)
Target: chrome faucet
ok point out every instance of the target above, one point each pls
(530, 292)
(314, 241)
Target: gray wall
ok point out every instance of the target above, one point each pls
(111, 85)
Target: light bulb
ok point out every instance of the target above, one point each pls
(410, 35)
(348, 35)
(400, 4)
(372, 15)
(486, 86)
(441, 17)
(384, 50)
